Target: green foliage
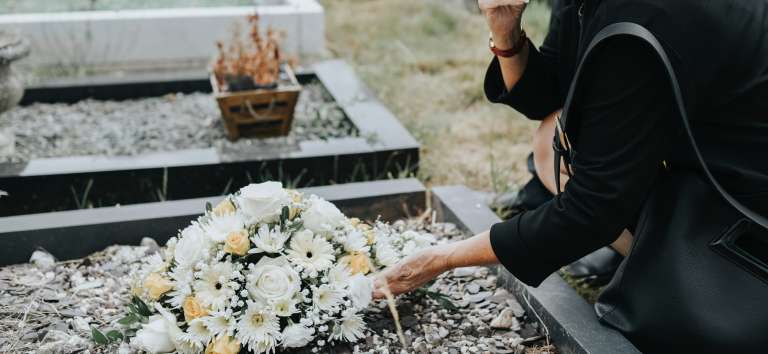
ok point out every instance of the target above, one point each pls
(138, 313)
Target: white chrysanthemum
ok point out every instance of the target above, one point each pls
(386, 254)
(272, 279)
(350, 328)
(215, 287)
(339, 275)
(297, 336)
(258, 328)
(325, 297)
(356, 242)
(183, 277)
(192, 247)
(220, 323)
(220, 226)
(360, 291)
(285, 307)
(198, 331)
(269, 241)
(322, 216)
(309, 252)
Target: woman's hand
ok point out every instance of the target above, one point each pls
(504, 18)
(420, 268)
(412, 272)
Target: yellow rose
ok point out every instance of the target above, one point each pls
(157, 285)
(295, 195)
(358, 263)
(371, 236)
(293, 212)
(193, 309)
(237, 243)
(354, 221)
(224, 207)
(223, 345)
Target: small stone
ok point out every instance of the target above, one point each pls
(42, 260)
(150, 244)
(464, 272)
(479, 297)
(472, 288)
(504, 320)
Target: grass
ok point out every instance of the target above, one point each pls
(426, 61)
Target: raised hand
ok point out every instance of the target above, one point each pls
(504, 18)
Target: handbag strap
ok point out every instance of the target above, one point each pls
(564, 152)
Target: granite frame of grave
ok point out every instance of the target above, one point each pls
(384, 148)
(568, 319)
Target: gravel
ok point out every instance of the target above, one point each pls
(49, 307)
(167, 123)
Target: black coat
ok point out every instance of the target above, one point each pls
(624, 121)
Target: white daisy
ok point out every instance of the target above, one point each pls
(219, 227)
(325, 297)
(309, 252)
(215, 287)
(220, 323)
(285, 307)
(351, 328)
(269, 241)
(199, 332)
(259, 328)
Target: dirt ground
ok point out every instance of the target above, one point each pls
(426, 60)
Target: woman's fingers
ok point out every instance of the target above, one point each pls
(490, 4)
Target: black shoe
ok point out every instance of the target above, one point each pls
(596, 268)
(530, 197)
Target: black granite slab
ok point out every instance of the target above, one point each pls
(383, 148)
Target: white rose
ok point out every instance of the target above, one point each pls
(322, 215)
(153, 337)
(263, 202)
(192, 246)
(339, 275)
(360, 291)
(297, 336)
(386, 255)
(273, 279)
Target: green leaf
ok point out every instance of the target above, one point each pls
(128, 320)
(99, 337)
(114, 336)
(208, 207)
(142, 308)
(284, 215)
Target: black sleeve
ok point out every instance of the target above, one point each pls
(623, 119)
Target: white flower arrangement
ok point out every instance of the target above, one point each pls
(265, 270)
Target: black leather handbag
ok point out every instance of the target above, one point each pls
(696, 280)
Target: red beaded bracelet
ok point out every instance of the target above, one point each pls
(508, 53)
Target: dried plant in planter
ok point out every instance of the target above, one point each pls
(256, 91)
(256, 60)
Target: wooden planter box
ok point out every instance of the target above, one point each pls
(260, 112)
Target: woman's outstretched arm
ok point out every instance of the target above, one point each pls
(424, 266)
